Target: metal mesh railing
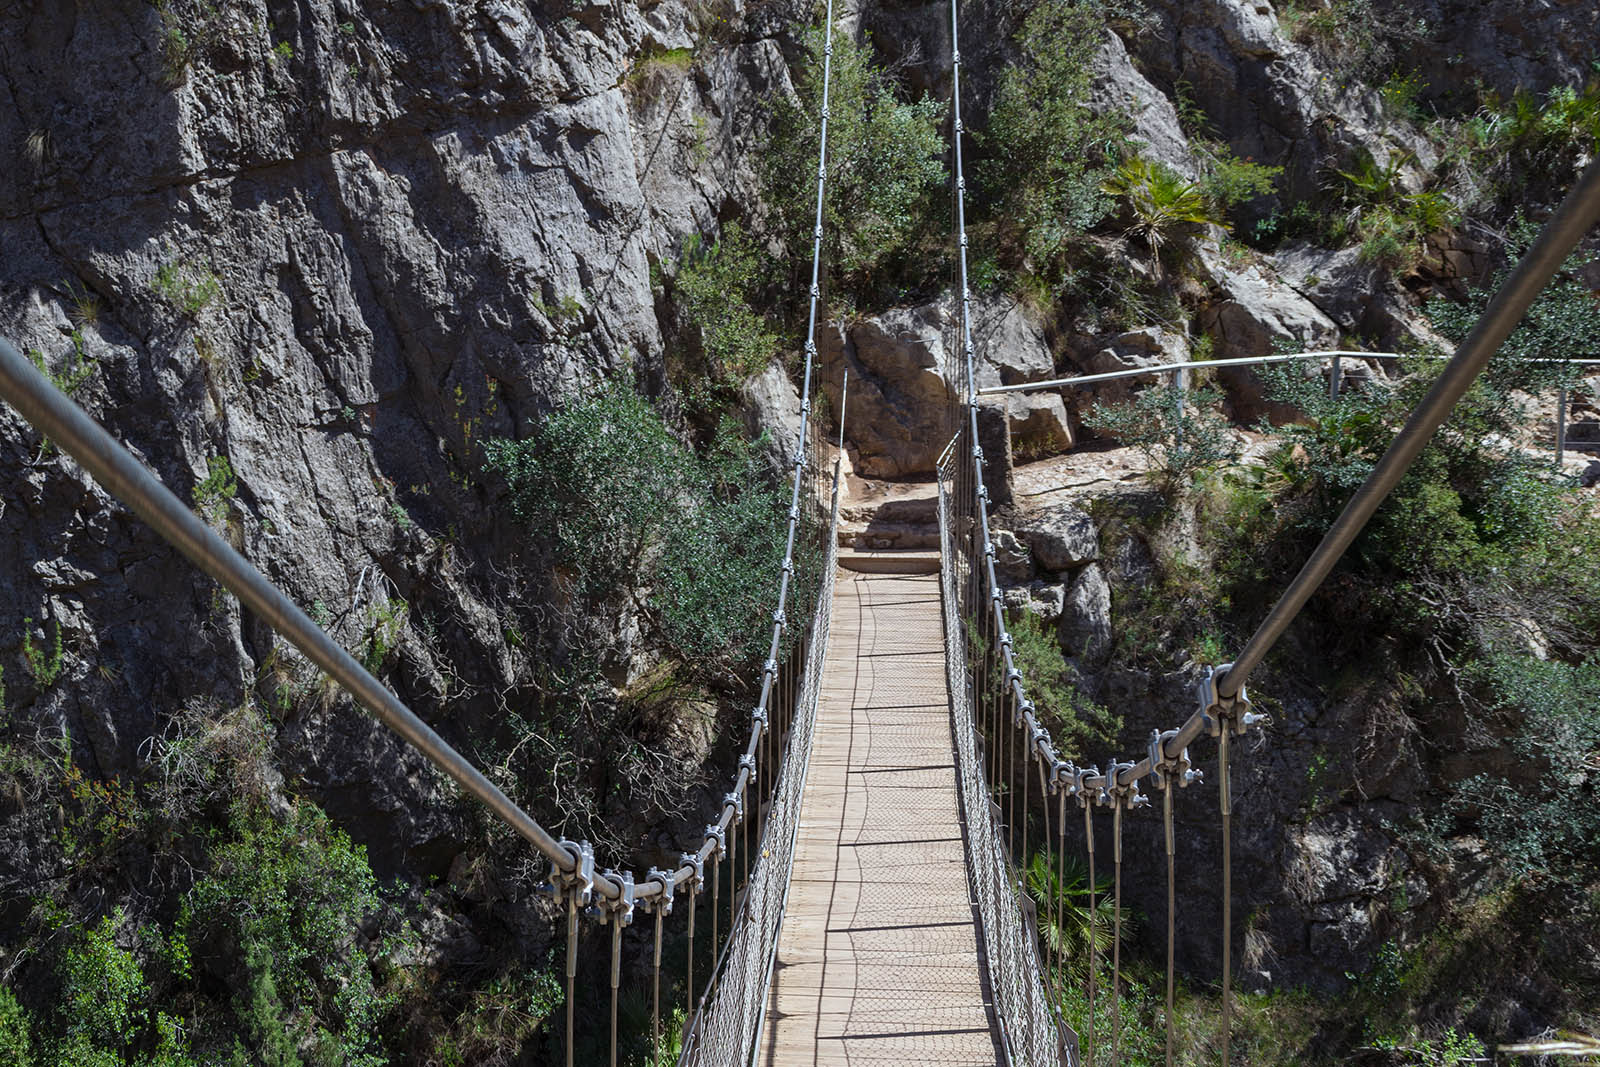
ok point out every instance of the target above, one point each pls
(725, 1029)
(1027, 1020)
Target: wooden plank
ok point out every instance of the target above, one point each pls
(878, 956)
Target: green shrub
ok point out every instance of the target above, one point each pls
(714, 591)
(43, 664)
(1045, 150)
(1077, 723)
(79, 365)
(597, 482)
(1388, 222)
(212, 494)
(1548, 824)
(286, 898)
(102, 989)
(189, 288)
(886, 176)
(715, 286)
(1229, 181)
(625, 506)
(16, 1042)
(1179, 433)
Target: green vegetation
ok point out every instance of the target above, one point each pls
(1179, 433)
(1165, 208)
(1226, 181)
(1078, 724)
(886, 179)
(657, 70)
(177, 47)
(186, 287)
(1045, 152)
(43, 664)
(74, 371)
(265, 957)
(1389, 222)
(624, 505)
(716, 288)
(213, 493)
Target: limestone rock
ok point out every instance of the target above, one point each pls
(771, 406)
(1012, 561)
(1044, 599)
(900, 363)
(1118, 85)
(1062, 537)
(1038, 422)
(1085, 630)
(897, 417)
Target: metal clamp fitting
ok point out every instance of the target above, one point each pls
(719, 840)
(758, 719)
(1114, 794)
(747, 762)
(1233, 712)
(662, 904)
(1024, 708)
(620, 910)
(735, 800)
(770, 667)
(1060, 774)
(1164, 768)
(579, 880)
(693, 861)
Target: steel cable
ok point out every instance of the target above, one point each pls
(1172, 908)
(1116, 936)
(1094, 962)
(1225, 804)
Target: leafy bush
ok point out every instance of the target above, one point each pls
(1074, 720)
(715, 287)
(1549, 825)
(287, 897)
(885, 168)
(1229, 181)
(1389, 222)
(625, 506)
(16, 1044)
(1046, 151)
(597, 483)
(1180, 434)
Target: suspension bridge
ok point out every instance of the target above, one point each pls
(863, 883)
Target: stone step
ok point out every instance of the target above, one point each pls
(889, 561)
(889, 536)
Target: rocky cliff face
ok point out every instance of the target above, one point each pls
(337, 248)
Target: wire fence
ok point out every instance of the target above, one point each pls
(1029, 1028)
(727, 1025)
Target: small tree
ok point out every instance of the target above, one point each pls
(1179, 435)
(885, 165)
(1046, 148)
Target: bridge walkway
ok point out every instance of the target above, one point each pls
(878, 959)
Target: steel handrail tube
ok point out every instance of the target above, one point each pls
(1237, 361)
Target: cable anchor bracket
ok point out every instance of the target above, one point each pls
(580, 880)
(1164, 768)
(1218, 711)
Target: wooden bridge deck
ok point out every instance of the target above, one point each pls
(878, 957)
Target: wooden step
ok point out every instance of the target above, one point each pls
(889, 561)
